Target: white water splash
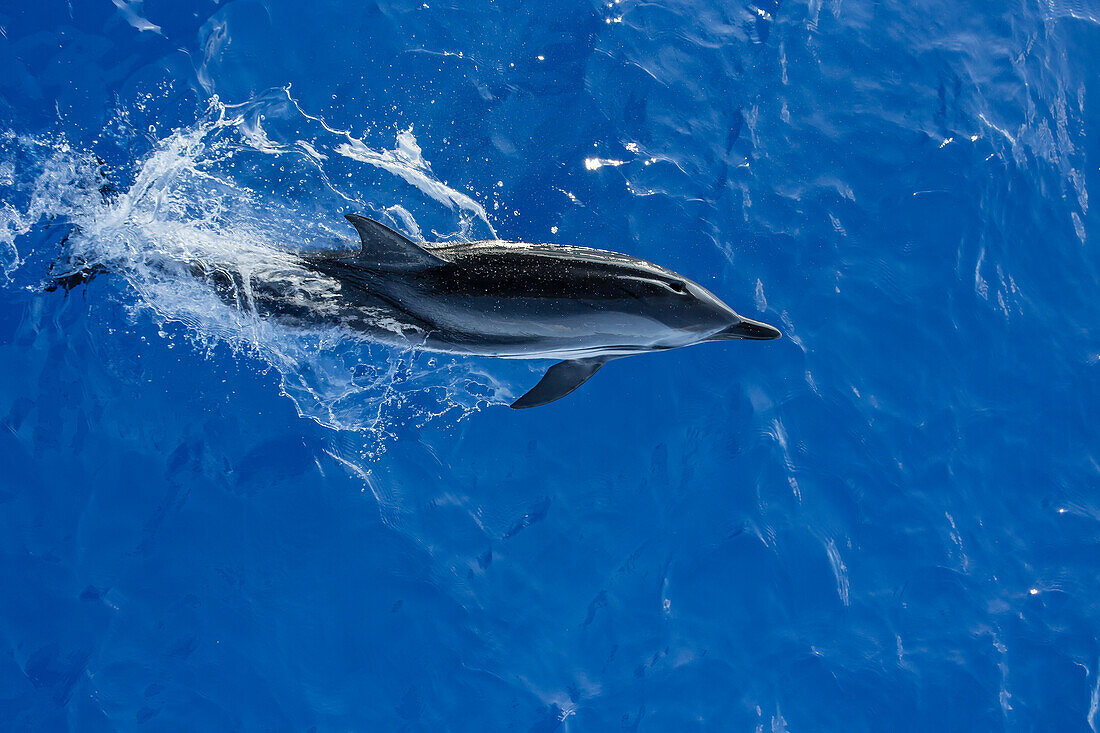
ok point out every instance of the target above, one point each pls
(405, 161)
(594, 164)
(239, 193)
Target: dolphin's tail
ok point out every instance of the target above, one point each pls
(74, 279)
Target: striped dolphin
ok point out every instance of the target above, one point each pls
(515, 300)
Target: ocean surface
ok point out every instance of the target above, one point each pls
(887, 520)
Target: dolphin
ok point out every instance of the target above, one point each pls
(515, 300)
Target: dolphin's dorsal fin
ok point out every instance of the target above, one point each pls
(389, 250)
(560, 380)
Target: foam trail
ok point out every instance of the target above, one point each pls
(405, 161)
(236, 196)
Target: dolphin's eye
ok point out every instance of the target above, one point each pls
(678, 287)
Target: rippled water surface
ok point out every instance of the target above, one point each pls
(888, 520)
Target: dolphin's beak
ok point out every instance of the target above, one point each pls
(747, 329)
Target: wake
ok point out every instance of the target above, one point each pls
(218, 207)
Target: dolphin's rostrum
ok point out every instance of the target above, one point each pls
(525, 301)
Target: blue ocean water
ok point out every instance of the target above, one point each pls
(888, 520)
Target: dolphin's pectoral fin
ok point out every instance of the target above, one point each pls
(389, 250)
(560, 380)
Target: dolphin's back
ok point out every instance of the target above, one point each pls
(543, 272)
(454, 251)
